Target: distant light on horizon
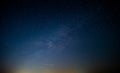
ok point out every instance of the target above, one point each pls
(50, 70)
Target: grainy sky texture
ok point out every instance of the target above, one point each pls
(59, 32)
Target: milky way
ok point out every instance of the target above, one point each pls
(58, 34)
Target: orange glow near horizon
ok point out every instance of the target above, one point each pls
(49, 70)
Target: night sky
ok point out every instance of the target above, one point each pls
(63, 33)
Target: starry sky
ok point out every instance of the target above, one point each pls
(62, 33)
